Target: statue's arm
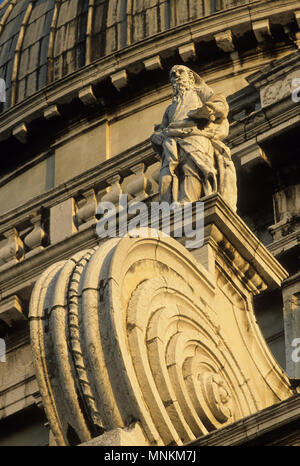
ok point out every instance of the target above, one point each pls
(215, 109)
(165, 122)
(158, 135)
(217, 104)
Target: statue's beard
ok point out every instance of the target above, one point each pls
(179, 89)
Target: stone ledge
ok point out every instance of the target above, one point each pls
(285, 244)
(253, 427)
(128, 437)
(11, 310)
(243, 240)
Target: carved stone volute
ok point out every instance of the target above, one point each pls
(137, 331)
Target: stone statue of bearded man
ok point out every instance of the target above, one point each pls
(195, 161)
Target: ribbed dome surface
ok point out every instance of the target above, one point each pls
(43, 40)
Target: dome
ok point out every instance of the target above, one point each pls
(42, 41)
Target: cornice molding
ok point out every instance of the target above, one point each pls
(254, 426)
(164, 44)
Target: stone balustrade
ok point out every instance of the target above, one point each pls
(30, 229)
(23, 240)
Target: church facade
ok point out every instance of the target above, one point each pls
(137, 339)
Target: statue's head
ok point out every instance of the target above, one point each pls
(183, 78)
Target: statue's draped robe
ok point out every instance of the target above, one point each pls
(203, 142)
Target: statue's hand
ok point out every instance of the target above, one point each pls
(203, 112)
(179, 132)
(157, 138)
(209, 133)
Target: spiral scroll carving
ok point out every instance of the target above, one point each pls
(132, 328)
(186, 381)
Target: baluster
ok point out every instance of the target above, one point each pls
(115, 190)
(36, 238)
(12, 251)
(140, 187)
(86, 213)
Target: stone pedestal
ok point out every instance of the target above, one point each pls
(143, 329)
